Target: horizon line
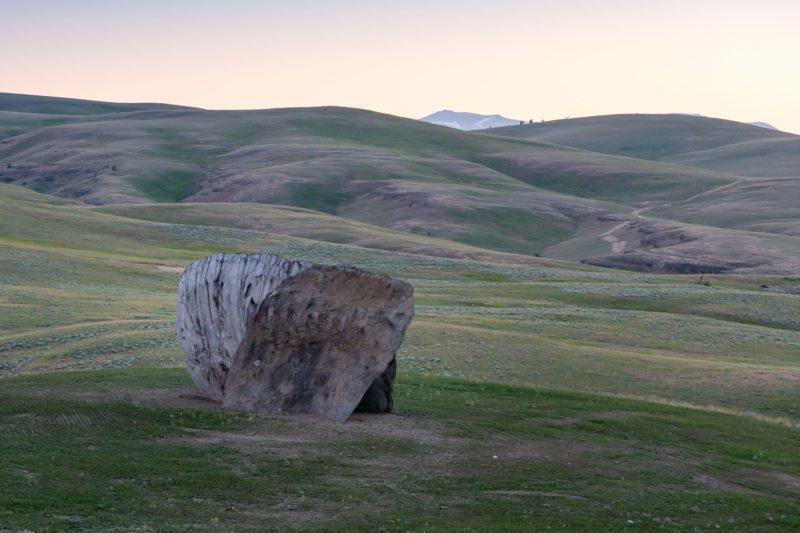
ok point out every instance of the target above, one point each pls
(523, 122)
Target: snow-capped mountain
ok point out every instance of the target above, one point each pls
(764, 125)
(468, 121)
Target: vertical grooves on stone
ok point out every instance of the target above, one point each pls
(213, 311)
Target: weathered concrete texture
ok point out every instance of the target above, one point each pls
(217, 298)
(318, 343)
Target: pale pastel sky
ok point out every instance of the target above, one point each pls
(536, 59)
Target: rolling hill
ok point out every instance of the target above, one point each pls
(524, 384)
(715, 144)
(530, 390)
(762, 205)
(493, 192)
(764, 197)
(53, 105)
(69, 269)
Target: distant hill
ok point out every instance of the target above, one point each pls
(468, 121)
(715, 144)
(489, 191)
(759, 124)
(51, 105)
(764, 125)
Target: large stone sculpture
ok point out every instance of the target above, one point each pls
(263, 333)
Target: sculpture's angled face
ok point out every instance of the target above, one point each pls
(217, 297)
(319, 342)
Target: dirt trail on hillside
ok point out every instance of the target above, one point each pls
(618, 245)
(710, 191)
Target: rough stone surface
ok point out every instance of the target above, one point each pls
(217, 298)
(319, 342)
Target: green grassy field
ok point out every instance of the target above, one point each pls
(129, 449)
(628, 401)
